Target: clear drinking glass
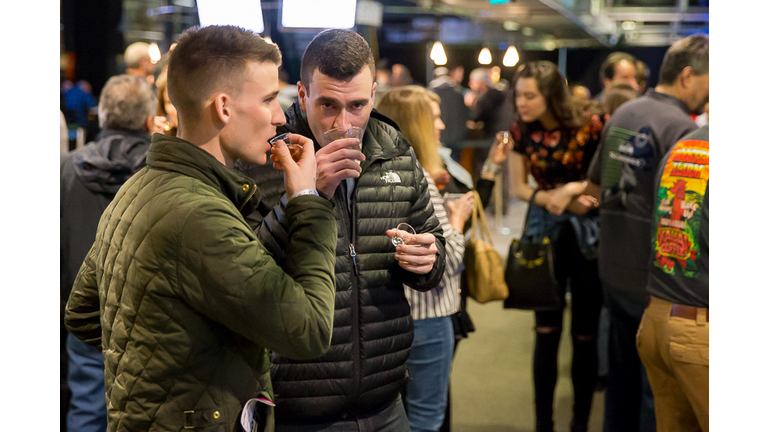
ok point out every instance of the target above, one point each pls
(295, 149)
(339, 133)
(402, 233)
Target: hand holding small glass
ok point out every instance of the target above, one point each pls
(298, 164)
(338, 159)
(417, 253)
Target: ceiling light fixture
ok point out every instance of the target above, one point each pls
(511, 57)
(154, 53)
(485, 57)
(438, 54)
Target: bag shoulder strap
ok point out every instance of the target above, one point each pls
(528, 211)
(479, 222)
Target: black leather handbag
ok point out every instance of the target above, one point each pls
(530, 272)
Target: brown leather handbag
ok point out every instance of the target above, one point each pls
(484, 266)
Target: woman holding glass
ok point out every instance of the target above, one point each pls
(417, 113)
(555, 145)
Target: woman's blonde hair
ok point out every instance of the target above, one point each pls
(410, 107)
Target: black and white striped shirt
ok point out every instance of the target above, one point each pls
(443, 300)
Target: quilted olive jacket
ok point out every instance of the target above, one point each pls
(184, 301)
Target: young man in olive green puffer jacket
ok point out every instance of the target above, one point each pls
(177, 291)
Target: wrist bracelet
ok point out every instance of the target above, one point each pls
(311, 191)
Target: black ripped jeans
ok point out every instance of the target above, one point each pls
(574, 271)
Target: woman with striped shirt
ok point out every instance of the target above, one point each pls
(417, 113)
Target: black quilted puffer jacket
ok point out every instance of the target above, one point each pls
(372, 326)
(185, 301)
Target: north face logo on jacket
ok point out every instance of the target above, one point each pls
(391, 177)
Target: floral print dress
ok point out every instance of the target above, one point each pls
(556, 157)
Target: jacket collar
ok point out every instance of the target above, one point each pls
(668, 99)
(382, 139)
(177, 155)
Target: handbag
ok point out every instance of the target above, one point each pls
(530, 272)
(484, 267)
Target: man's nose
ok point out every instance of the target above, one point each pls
(278, 116)
(342, 120)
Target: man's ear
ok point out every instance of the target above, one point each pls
(302, 96)
(684, 79)
(222, 104)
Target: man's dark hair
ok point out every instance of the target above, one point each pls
(211, 59)
(608, 68)
(691, 51)
(337, 53)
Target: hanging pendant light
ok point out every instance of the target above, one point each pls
(511, 57)
(154, 53)
(485, 57)
(438, 54)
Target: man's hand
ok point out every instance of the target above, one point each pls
(158, 125)
(299, 174)
(418, 254)
(336, 162)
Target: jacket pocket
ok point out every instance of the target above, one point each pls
(692, 354)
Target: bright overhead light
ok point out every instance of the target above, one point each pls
(511, 26)
(154, 53)
(241, 13)
(628, 25)
(549, 45)
(438, 54)
(485, 57)
(527, 31)
(511, 57)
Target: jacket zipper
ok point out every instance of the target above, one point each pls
(349, 213)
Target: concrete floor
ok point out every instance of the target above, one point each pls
(492, 377)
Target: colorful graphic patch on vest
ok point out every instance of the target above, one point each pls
(678, 216)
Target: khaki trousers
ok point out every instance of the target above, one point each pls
(675, 353)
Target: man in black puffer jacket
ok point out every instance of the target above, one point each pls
(90, 178)
(358, 381)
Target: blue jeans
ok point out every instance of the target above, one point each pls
(391, 418)
(426, 395)
(628, 395)
(88, 405)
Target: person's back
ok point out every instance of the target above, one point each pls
(90, 178)
(454, 112)
(673, 340)
(634, 141)
(178, 292)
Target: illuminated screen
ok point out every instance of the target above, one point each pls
(241, 13)
(318, 14)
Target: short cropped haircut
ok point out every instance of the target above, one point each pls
(691, 51)
(337, 53)
(213, 59)
(608, 68)
(135, 53)
(125, 103)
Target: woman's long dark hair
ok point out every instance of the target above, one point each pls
(553, 87)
